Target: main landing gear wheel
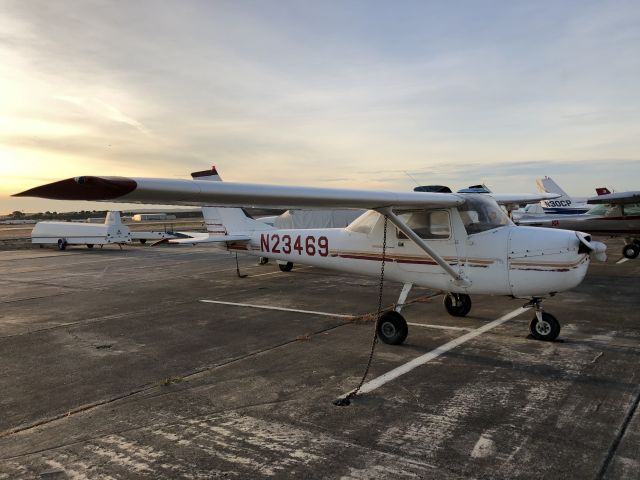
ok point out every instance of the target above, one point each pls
(631, 250)
(263, 261)
(392, 328)
(89, 245)
(62, 244)
(548, 329)
(457, 304)
(286, 267)
(143, 241)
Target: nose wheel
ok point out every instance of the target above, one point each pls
(543, 325)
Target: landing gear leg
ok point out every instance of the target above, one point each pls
(543, 326)
(403, 296)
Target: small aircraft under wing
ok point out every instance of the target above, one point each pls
(613, 214)
(460, 243)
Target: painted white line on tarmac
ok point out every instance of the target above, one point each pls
(427, 357)
(622, 260)
(439, 327)
(282, 309)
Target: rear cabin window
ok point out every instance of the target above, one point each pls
(364, 223)
(427, 224)
(631, 209)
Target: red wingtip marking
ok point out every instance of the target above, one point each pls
(83, 188)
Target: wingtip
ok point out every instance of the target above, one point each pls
(83, 188)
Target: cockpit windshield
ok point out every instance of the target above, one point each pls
(480, 213)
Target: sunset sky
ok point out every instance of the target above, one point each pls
(362, 94)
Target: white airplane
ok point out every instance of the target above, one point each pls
(612, 214)
(462, 244)
(562, 205)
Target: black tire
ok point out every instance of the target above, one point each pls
(392, 328)
(89, 245)
(263, 261)
(631, 250)
(548, 330)
(143, 241)
(286, 267)
(463, 306)
(62, 244)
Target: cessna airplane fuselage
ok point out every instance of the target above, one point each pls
(503, 260)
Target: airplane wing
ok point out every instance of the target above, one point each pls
(518, 198)
(616, 198)
(226, 194)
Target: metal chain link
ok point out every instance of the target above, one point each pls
(347, 400)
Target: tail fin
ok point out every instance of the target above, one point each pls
(222, 221)
(547, 185)
(112, 218)
(602, 191)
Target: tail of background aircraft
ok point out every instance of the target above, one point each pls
(603, 191)
(563, 204)
(222, 221)
(547, 185)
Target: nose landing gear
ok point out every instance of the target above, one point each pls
(543, 326)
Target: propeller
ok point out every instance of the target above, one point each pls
(597, 249)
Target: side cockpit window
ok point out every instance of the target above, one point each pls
(427, 224)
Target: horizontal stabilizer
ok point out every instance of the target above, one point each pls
(204, 238)
(616, 198)
(195, 238)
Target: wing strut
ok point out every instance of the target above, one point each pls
(404, 228)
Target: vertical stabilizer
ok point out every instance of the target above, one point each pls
(563, 204)
(113, 218)
(224, 220)
(547, 185)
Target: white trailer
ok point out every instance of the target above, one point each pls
(89, 234)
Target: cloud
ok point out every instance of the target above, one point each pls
(324, 93)
(95, 106)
